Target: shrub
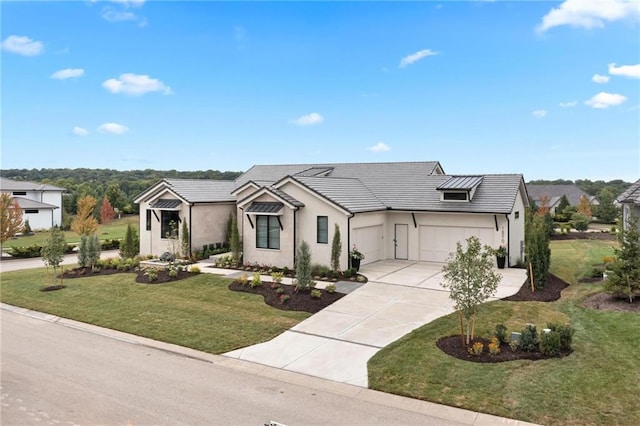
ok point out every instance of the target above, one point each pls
(277, 277)
(330, 288)
(83, 251)
(303, 267)
(195, 270)
(361, 279)
(550, 343)
(476, 348)
(131, 245)
(529, 338)
(348, 273)
(316, 294)
(494, 346)
(565, 333)
(255, 280)
(27, 228)
(501, 333)
(279, 290)
(514, 345)
(284, 298)
(580, 221)
(173, 273)
(243, 279)
(152, 274)
(318, 270)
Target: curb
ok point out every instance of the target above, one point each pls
(444, 412)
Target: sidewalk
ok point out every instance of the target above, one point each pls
(12, 264)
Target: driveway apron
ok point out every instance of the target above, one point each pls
(337, 342)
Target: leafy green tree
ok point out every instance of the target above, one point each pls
(53, 250)
(606, 211)
(116, 196)
(624, 276)
(304, 279)
(336, 249)
(537, 249)
(471, 279)
(563, 204)
(186, 241)
(236, 245)
(130, 247)
(580, 221)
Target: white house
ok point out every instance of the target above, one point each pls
(408, 210)
(41, 203)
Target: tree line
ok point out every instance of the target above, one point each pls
(617, 186)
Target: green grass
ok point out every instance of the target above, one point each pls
(596, 385)
(114, 230)
(199, 312)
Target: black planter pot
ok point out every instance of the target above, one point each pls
(355, 263)
(501, 262)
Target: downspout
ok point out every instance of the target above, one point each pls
(508, 240)
(190, 231)
(294, 235)
(349, 238)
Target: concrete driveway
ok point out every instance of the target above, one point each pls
(337, 342)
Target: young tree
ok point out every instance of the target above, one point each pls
(130, 247)
(537, 251)
(53, 250)
(336, 249)
(83, 251)
(303, 267)
(580, 221)
(624, 277)
(85, 223)
(606, 211)
(471, 279)
(93, 252)
(584, 207)
(236, 246)
(543, 208)
(186, 241)
(107, 213)
(563, 204)
(11, 216)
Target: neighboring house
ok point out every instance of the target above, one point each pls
(555, 193)
(630, 201)
(41, 203)
(406, 210)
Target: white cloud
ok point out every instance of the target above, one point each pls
(309, 119)
(415, 57)
(135, 84)
(605, 100)
(22, 45)
(380, 147)
(113, 128)
(129, 3)
(589, 13)
(68, 73)
(118, 16)
(79, 131)
(569, 104)
(540, 113)
(632, 71)
(597, 78)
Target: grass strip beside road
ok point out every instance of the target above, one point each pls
(199, 312)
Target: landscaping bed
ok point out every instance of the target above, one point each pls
(142, 276)
(287, 298)
(549, 293)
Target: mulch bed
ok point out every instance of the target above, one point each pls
(88, 272)
(53, 287)
(549, 293)
(605, 236)
(452, 345)
(163, 275)
(607, 302)
(298, 301)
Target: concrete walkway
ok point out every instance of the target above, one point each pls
(337, 342)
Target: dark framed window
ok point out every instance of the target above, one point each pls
(149, 220)
(517, 215)
(323, 230)
(32, 211)
(166, 218)
(19, 193)
(454, 196)
(267, 232)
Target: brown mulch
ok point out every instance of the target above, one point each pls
(88, 272)
(53, 287)
(607, 302)
(163, 274)
(549, 293)
(605, 236)
(452, 345)
(298, 301)
(163, 277)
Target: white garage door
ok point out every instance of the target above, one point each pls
(368, 239)
(437, 242)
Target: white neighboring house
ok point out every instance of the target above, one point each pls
(41, 203)
(404, 210)
(630, 202)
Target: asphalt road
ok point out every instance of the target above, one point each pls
(56, 375)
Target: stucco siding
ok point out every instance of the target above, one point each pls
(54, 198)
(374, 232)
(209, 221)
(41, 220)
(516, 231)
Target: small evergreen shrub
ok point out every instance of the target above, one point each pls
(255, 280)
(243, 279)
(330, 288)
(316, 294)
(565, 332)
(501, 333)
(195, 270)
(550, 343)
(152, 274)
(279, 290)
(277, 277)
(173, 273)
(529, 338)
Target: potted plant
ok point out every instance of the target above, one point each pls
(501, 256)
(356, 256)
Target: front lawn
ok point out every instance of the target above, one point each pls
(199, 312)
(597, 384)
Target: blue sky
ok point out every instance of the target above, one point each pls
(547, 89)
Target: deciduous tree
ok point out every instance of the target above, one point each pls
(53, 250)
(584, 206)
(11, 216)
(543, 206)
(107, 213)
(471, 280)
(85, 223)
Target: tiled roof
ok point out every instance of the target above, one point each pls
(631, 195)
(349, 193)
(202, 190)
(288, 198)
(23, 185)
(555, 192)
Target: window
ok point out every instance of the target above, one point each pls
(454, 196)
(166, 217)
(323, 230)
(19, 193)
(31, 211)
(267, 232)
(517, 215)
(148, 220)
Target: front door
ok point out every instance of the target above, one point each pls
(401, 241)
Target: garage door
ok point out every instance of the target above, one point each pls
(368, 239)
(437, 242)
